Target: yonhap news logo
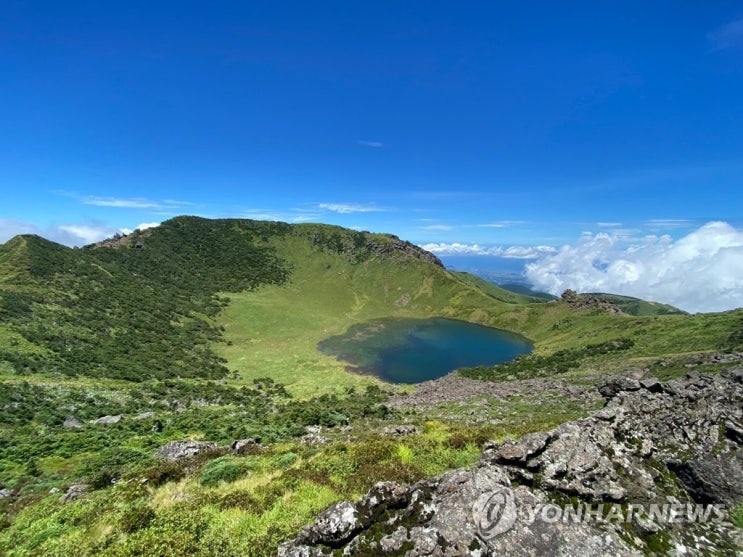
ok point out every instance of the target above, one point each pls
(495, 513)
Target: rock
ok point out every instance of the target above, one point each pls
(712, 479)
(509, 452)
(589, 302)
(74, 492)
(316, 429)
(71, 422)
(615, 385)
(6, 493)
(314, 439)
(734, 432)
(336, 524)
(241, 446)
(400, 430)
(54, 491)
(651, 384)
(108, 420)
(519, 451)
(177, 450)
(145, 416)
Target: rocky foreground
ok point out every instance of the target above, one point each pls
(655, 472)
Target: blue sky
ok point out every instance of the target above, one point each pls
(489, 123)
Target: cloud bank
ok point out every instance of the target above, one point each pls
(513, 252)
(727, 36)
(348, 208)
(66, 234)
(700, 272)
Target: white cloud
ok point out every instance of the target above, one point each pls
(85, 234)
(655, 224)
(608, 224)
(702, 271)
(141, 226)
(126, 202)
(297, 215)
(347, 208)
(513, 252)
(498, 224)
(10, 228)
(374, 144)
(437, 227)
(131, 203)
(527, 252)
(66, 234)
(727, 36)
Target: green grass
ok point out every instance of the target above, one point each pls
(274, 330)
(246, 513)
(638, 307)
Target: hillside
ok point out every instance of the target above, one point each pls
(636, 306)
(207, 330)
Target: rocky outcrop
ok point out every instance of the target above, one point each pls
(589, 301)
(177, 450)
(453, 388)
(74, 492)
(245, 446)
(652, 472)
(392, 245)
(71, 422)
(108, 420)
(400, 430)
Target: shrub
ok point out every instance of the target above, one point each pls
(223, 469)
(136, 518)
(736, 515)
(164, 472)
(286, 460)
(405, 454)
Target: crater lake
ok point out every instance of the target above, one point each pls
(406, 350)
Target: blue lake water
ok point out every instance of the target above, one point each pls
(416, 350)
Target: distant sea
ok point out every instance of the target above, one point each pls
(498, 270)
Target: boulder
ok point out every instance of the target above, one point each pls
(6, 493)
(74, 492)
(615, 385)
(71, 422)
(400, 430)
(108, 420)
(177, 450)
(314, 439)
(712, 479)
(145, 416)
(240, 446)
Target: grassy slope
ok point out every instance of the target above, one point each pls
(274, 330)
(638, 307)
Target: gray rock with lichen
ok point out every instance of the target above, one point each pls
(177, 450)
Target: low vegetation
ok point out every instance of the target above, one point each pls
(535, 365)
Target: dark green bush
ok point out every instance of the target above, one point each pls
(135, 518)
(223, 469)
